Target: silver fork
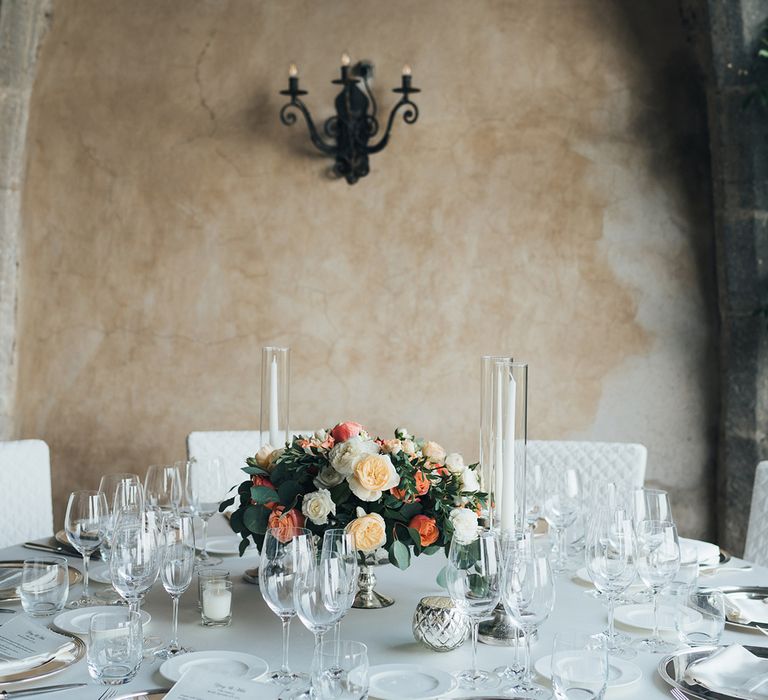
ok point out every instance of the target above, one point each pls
(678, 694)
(108, 693)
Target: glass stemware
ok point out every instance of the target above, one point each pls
(85, 523)
(528, 593)
(162, 488)
(286, 552)
(206, 485)
(339, 547)
(562, 505)
(610, 558)
(121, 491)
(658, 559)
(178, 565)
(651, 504)
(473, 578)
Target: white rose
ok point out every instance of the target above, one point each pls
(469, 480)
(318, 505)
(433, 451)
(274, 456)
(372, 475)
(464, 523)
(455, 463)
(402, 433)
(262, 456)
(409, 447)
(321, 435)
(328, 478)
(345, 455)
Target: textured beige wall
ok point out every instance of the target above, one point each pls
(541, 206)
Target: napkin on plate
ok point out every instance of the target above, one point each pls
(25, 644)
(746, 610)
(732, 669)
(707, 553)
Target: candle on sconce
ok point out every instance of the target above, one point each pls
(406, 69)
(345, 59)
(293, 77)
(293, 71)
(406, 76)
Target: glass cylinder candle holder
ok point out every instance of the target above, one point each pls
(217, 603)
(485, 470)
(508, 427)
(208, 573)
(275, 395)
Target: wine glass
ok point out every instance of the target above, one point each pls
(651, 504)
(285, 553)
(162, 488)
(562, 504)
(206, 486)
(85, 524)
(658, 559)
(473, 578)
(534, 494)
(610, 557)
(178, 564)
(528, 594)
(339, 547)
(121, 491)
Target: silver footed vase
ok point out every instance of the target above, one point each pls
(367, 598)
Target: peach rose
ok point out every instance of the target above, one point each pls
(285, 523)
(427, 527)
(369, 531)
(391, 447)
(257, 480)
(422, 482)
(433, 452)
(371, 475)
(402, 495)
(344, 431)
(263, 456)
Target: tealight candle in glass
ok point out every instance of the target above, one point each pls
(208, 573)
(217, 602)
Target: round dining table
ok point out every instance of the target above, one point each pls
(387, 632)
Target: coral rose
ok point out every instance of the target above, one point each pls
(343, 431)
(422, 482)
(371, 475)
(427, 528)
(402, 495)
(285, 522)
(369, 531)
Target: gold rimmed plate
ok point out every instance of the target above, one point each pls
(63, 659)
(10, 578)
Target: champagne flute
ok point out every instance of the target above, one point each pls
(473, 579)
(610, 557)
(528, 593)
(206, 486)
(286, 552)
(178, 565)
(562, 504)
(85, 524)
(121, 491)
(658, 559)
(162, 488)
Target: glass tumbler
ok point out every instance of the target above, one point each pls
(579, 667)
(44, 585)
(115, 647)
(340, 671)
(217, 602)
(700, 616)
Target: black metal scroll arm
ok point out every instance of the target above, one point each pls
(410, 115)
(288, 117)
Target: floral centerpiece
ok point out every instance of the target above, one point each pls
(403, 495)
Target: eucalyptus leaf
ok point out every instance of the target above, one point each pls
(263, 494)
(415, 536)
(244, 544)
(255, 518)
(400, 555)
(441, 577)
(226, 504)
(288, 491)
(253, 469)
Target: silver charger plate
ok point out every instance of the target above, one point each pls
(725, 557)
(752, 592)
(12, 592)
(58, 663)
(672, 670)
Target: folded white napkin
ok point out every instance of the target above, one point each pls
(26, 645)
(707, 553)
(745, 610)
(732, 669)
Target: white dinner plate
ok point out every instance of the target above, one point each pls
(78, 621)
(621, 673)
(640, 616)
(99, 573)
(582, 577)
(228, 544)
(234, 664)
(415, 682)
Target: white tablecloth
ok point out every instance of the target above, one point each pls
(255, 629)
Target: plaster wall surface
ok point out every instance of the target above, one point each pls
(549, 203)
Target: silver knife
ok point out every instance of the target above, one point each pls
(10, 694)
(56, 550)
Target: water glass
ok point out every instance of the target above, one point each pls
(85, 524)
(579, 667)
(340, 671)
(688, 573)
(217, 602)
(700, 616)
(115, 646)
(162, 488)
(208, 574)
(562, 506)
(44, 585)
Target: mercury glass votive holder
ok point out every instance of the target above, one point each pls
(439, 624)
(217, 603)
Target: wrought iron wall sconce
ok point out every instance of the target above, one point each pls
(352, 128)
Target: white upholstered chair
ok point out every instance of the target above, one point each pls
(756, 547)
(26, 508)
(620, 462)
(231, 446)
